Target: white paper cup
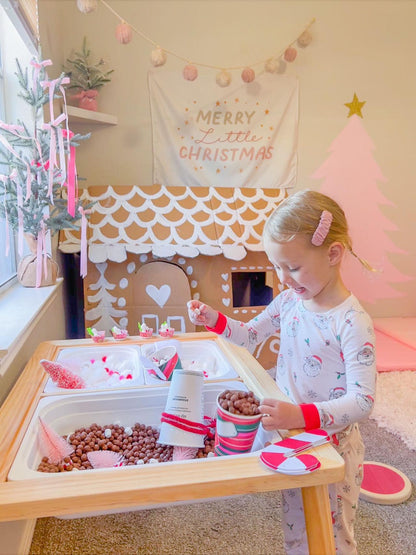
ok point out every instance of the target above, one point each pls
(185, 400)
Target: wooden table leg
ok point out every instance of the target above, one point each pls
(318, 520)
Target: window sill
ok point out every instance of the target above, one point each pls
(20, 308)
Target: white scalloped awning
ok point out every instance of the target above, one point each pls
(187, 221)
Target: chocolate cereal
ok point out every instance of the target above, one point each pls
(239, 402)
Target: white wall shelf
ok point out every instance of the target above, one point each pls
(89, 117)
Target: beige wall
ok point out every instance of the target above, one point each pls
(365, 47)
(48, 325)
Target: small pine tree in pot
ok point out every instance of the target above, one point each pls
(86, 77)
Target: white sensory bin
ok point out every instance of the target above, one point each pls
(205, 356)
(102, 366)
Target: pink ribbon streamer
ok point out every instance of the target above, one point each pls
(37, 66)
(84, 260)
(71, 182)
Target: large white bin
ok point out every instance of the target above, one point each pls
(66, 413)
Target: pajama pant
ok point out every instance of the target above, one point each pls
(343, 498)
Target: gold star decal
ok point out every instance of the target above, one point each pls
(355, 106)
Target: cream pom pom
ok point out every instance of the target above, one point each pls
(124, 33)
(271, 65)
(248, 75)
(223, 78)
(190, 72)
(304, 39)
(87, 6)
(290, 54)
(158, 57)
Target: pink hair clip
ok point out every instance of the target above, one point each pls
(322, 228)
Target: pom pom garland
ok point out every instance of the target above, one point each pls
(87, 6)
(124, 33)
(223, 78)
(290, 54)
(190, 72)
(158, 57)
(248, 75)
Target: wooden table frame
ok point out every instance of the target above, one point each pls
(149, 485)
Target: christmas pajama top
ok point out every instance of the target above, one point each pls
(326, 361)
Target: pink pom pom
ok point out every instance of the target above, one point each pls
(290, 54)
(248, 75)
(190, 72)
(62, 376)
(51, 444)
(124, 33)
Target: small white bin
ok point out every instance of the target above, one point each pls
(205, 356)
(102, 367)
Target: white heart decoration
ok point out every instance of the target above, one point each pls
(161, 295)
(225, 287)
(224, 277)
(226, 302)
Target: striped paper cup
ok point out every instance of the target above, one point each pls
(235, 433)
(167, 360)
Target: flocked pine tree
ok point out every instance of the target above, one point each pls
(38, 165)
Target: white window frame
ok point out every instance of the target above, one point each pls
(15, 42)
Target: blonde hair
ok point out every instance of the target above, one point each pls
(300, 214)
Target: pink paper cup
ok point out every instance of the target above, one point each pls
(235, 433)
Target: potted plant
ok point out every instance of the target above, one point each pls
(86, 78)
(37, 170)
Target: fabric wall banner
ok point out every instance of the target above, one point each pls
(244, 135)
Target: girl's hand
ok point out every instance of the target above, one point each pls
(201, 314)
(280, 415)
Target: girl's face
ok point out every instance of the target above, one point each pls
(312, 272)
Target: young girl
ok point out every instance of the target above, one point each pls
(326, 363)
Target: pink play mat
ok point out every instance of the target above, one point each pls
(395, 343)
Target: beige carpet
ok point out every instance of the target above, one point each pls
(395, 406)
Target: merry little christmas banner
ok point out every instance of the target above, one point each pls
(244, 135)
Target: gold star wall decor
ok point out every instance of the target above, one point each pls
(355, 106)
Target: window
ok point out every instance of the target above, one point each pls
(252, 288)
(15, 42)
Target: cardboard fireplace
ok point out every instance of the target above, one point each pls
(151, 249)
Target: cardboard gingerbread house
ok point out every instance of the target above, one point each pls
(151, 249)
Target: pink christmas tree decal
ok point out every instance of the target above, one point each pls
(351, 175)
